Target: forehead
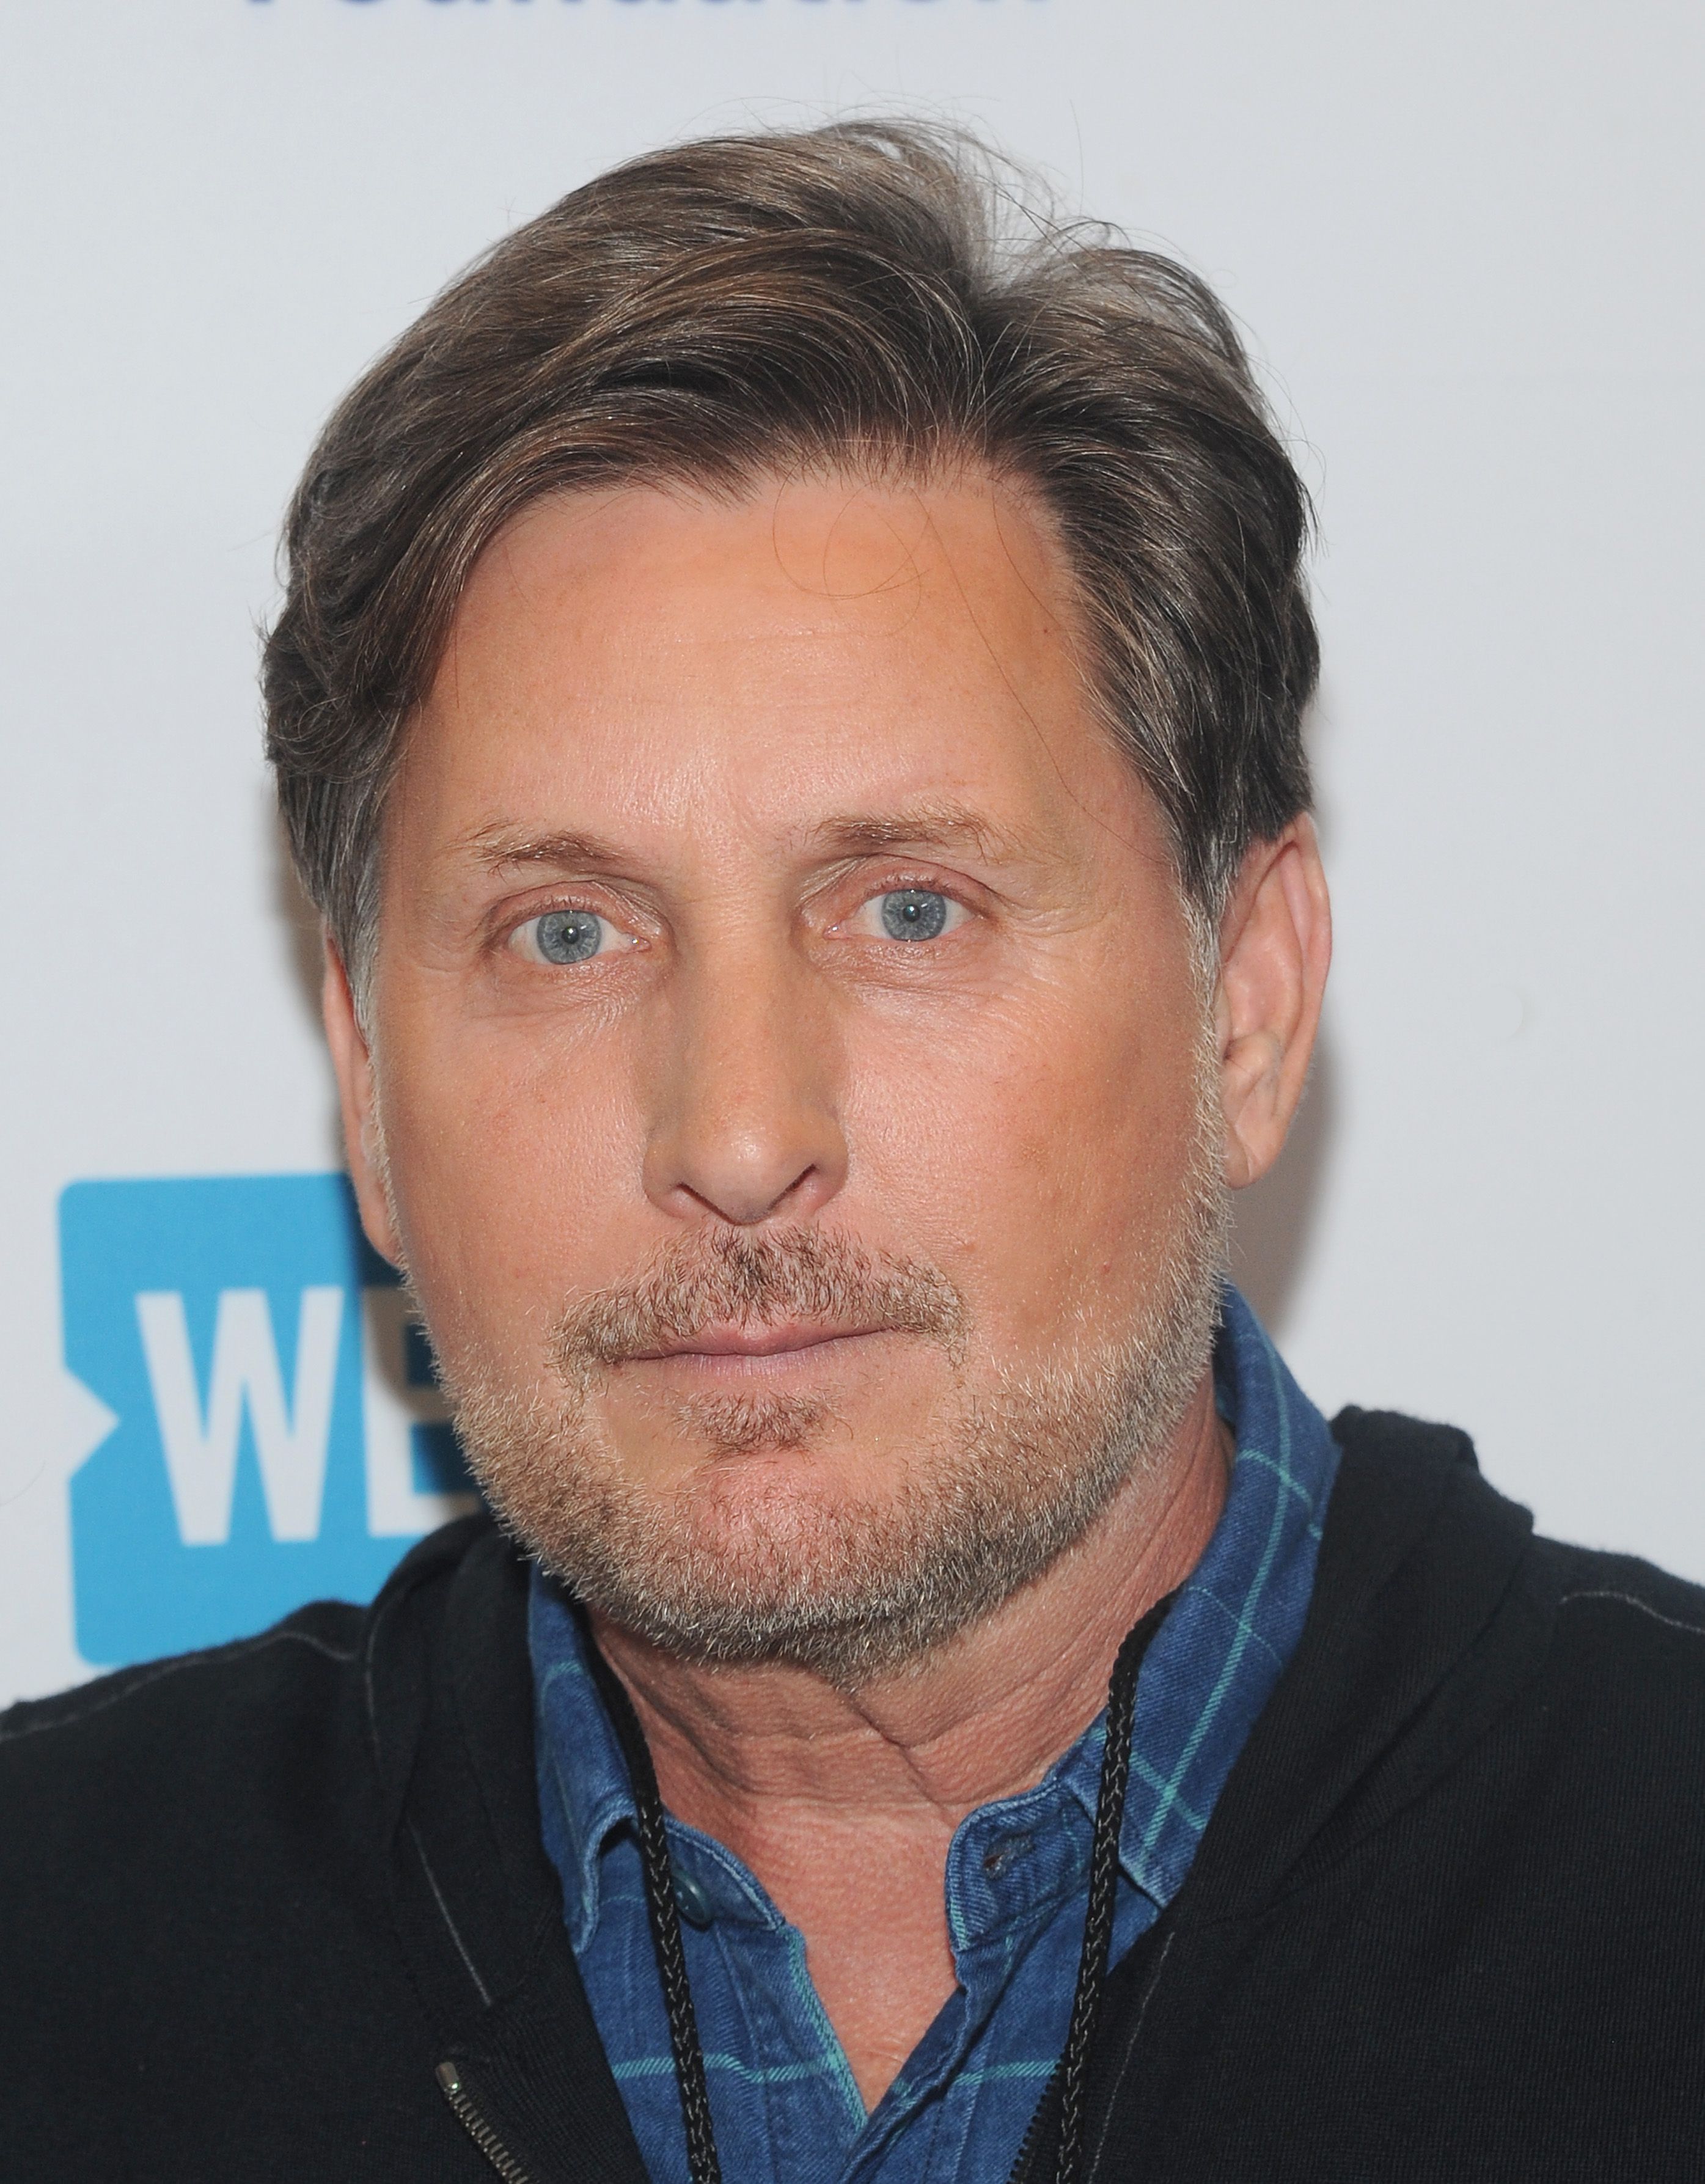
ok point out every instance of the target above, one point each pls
(660, 657)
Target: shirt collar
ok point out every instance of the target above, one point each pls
(1238, 1616)
(1208, 1673)
(579, 1757)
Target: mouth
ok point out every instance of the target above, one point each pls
(755, 1347)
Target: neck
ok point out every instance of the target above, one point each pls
(841, 1802)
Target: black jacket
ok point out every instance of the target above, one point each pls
(260, 1906)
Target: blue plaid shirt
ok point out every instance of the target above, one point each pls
(784, 2104)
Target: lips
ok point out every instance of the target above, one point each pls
(790, 1336)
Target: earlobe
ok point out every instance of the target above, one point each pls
(353, 1062)
(1275, 950)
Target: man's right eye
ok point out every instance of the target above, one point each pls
(567, 936)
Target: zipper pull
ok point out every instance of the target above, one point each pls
(455, 2091)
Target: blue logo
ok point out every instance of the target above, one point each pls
(276, 1436)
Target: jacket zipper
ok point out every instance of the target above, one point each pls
(1019, 2172)
(1027, 2155)
(455, 2092)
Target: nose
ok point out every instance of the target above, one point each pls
(746, 1125)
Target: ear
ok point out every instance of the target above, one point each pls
(1275, 949)
(353, 1060)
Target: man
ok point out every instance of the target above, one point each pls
(789, 702)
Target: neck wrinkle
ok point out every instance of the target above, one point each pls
(753, 1756)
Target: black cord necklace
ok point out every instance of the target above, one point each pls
(702, 2166)
(1065, 2088)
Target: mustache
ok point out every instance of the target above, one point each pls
(731, 1278)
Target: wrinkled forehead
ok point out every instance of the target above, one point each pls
(662, 660)
(643, 585)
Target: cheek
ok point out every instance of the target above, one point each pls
(1047, 1145)
(505, 1165)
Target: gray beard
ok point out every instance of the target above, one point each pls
(728, 1570)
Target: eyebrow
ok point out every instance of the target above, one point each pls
(499, 848)
(502, 849)
(947, 824)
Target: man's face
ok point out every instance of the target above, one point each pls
(789, 1057)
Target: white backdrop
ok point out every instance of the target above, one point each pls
(1467, 239)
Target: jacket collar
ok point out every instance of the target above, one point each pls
(1422, 1626)
(476, 1904)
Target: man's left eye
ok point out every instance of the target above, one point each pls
(913, 913)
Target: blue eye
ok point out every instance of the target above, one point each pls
(567, 936)
(914, 914)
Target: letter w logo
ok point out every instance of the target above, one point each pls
(290, 1442)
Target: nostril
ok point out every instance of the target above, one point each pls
(797, 1189)
(746, 1200)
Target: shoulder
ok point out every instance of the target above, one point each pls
(105, 1769)
(1390, 1458)
(1610, 1649)
(222, 1758)
(197, 1893)
(184, 1687)
(1625, 1630)
(208, 1781)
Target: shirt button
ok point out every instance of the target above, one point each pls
(1003, 1854)
(690, 1899)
